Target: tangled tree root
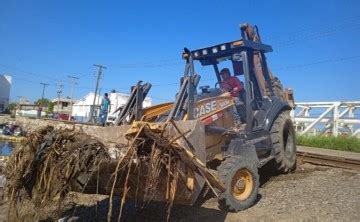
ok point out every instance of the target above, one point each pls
(164, 157)
(45, 167)
(159, 164)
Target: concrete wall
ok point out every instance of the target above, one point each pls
(5, 119)
(108, 135)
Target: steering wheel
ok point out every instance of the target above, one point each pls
(218, 86)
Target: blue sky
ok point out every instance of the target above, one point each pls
(316, 43)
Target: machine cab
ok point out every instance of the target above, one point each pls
(246, 61)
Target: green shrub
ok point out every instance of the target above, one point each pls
(347, 143)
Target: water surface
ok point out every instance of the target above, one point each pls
(6, 148)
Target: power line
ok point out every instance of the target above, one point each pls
(318, 62)
(292, 39)
(158, 64)
(283, 68)
(296, 38)
(37, 82)
(311, 27)
(209, 79)
(29, 73)
(25, 80)
(159, 61)
(316, 35)
(146, 65)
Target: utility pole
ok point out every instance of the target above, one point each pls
(100, 68)
(19, 104)
(98, 99)
(39, 109)
(73, 78)
(60, 87)
(44, 85)
(20, 97)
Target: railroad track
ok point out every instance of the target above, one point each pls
(328, 160)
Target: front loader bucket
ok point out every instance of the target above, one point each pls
(159, 162)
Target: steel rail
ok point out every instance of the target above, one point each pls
(326, 160)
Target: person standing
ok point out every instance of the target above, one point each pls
(104, 108)
(39, 110)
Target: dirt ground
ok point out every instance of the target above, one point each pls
(312, 193)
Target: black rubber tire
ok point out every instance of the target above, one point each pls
(283, 140)
(227, 171)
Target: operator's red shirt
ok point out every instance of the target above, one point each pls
(232, 85)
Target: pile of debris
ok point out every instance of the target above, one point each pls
(158, 163)
(161, 164)
(11, 129)
(45, 167)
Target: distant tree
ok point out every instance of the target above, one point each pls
(50, 108)
(43, 102)
(47, 103)
(11, 107)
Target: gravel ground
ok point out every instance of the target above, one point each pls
(312, 193)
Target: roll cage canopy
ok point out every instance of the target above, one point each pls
(242, 53)
(236, 51)
(214, 54)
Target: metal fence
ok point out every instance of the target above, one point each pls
(335, 118)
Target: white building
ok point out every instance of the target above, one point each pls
(5, 85)
(29, 110)
(81, 109)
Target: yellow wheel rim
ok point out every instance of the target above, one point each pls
(242, 184)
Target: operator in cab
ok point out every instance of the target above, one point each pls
(231, 83)
(236, 88)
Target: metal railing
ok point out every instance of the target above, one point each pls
(336, 118)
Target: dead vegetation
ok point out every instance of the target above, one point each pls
(45, 167)
(159, 164)
(167, 157)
